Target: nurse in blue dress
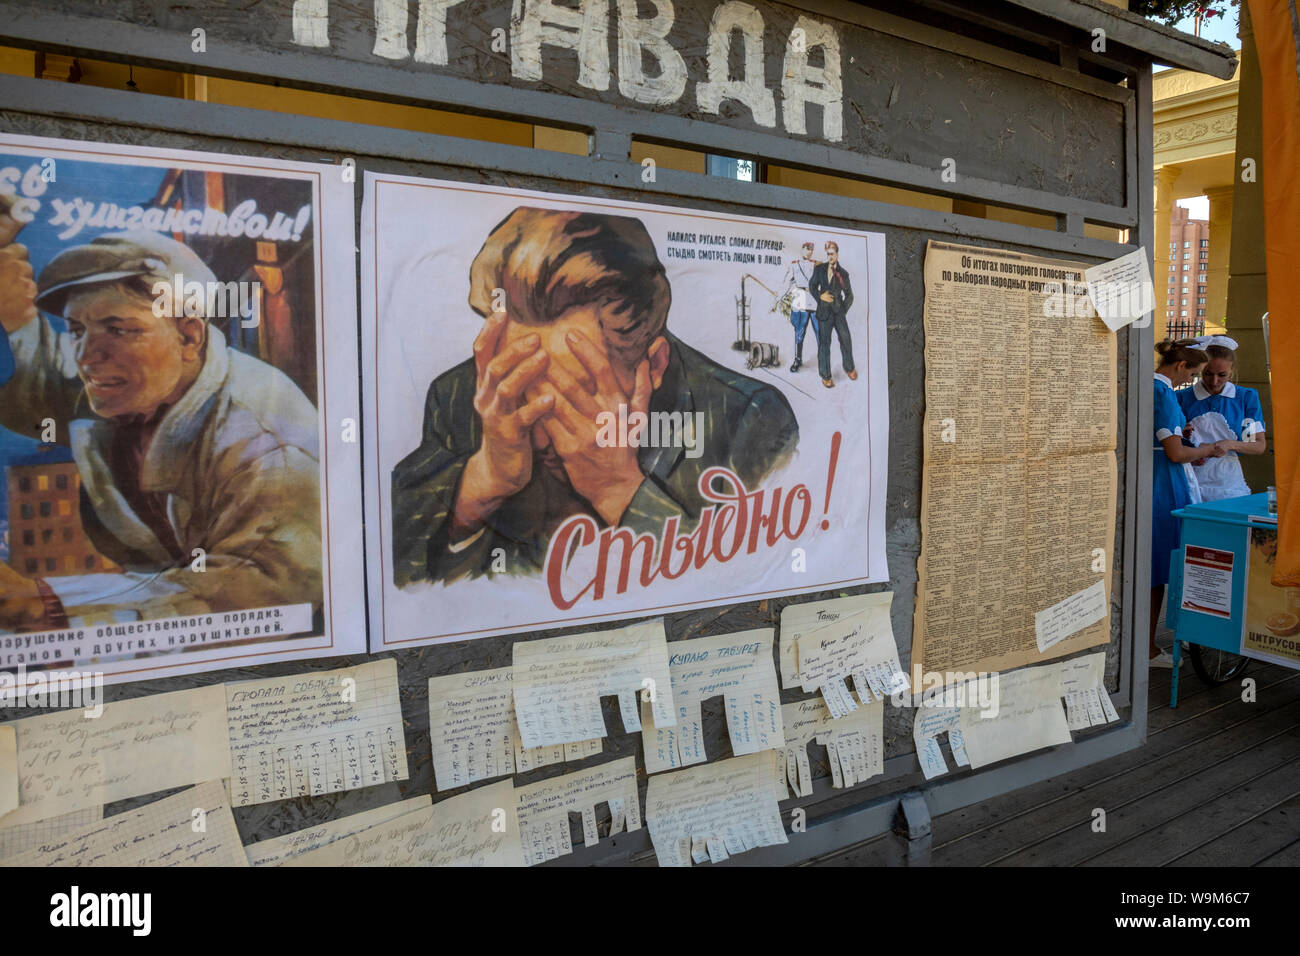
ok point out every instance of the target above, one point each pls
(1225, 414)
(1173, 485)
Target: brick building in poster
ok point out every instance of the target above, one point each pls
(46, 538)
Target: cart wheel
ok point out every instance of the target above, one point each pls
(1215, 666)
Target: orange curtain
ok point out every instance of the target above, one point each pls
(1277, 39)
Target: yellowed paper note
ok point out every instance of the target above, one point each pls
(275, 851)
(559, 682)
(544, 808)
(8, 768)
(825, 642)
(479, 828)
(739, 668)
(315, 733)
(190, 828)
(474, 734)
(26, 836)
(855, 744)
(1028, 717)
(727, 807)
(68, 762)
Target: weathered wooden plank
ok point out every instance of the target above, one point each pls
(1262, 838)
(985, 831)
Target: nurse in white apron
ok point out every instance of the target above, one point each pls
(1225, 414)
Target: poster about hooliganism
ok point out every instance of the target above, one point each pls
(177, 359)
(581, 409)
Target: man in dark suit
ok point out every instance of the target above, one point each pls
(512, 444)
(834, 293)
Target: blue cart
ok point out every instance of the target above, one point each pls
(1208, 578)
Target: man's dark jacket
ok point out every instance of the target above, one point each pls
(821, 282)
(749, 427)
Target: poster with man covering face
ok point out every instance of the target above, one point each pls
(582, 409)
(177, 357)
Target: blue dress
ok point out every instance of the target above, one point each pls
(1235, 413)
(1169, 486)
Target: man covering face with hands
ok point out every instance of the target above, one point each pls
(575, 331)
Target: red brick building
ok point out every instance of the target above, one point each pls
(1189, 260)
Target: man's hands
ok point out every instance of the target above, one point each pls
(504, 462)
(17, 288)
(606, 475)
(20, 600)
(826, 297)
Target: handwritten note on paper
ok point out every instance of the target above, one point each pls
(715, 810)
(824, 642)
(315, 733)
(275, 851)
(559, 682)
(474, 733)
(855, 744)
(1029, 717)
(8, 768)
(25, 836)
(1067, 617)
(478, 828)
(190, 828)
(67, 762)
(1087, 702)
(737, 666)
(926, 727)
(1121, 291)
(544, 808)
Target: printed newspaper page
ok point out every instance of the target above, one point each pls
(1018, 489)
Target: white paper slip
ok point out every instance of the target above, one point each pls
(67, 762)
(275, 851)
(855, 744)
(190, 828)
(837, 697)
(25, 836)
(929, 722)
(1072, 615)
(558, 682)
(479, 828)
(730, 802)
(825, 640)
(1087, 702)
(474, 735)
(1121, 290)
(544, 807)
(1028, 716)
(315, 733)
(739, 668)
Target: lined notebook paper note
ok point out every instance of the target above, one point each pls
(739, 668)
(315, 733)
(190, 828)
(8, 768)
(559, 682)
(1083, 685)
(544, 808)
(67, 762)
(275, 851)
(716, 810)
(474, 734)
(478, 828)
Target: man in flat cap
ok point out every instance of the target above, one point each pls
(186, 448)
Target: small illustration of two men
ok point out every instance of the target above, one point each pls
(822, 294)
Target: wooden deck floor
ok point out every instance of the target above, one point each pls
(1217, 784)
